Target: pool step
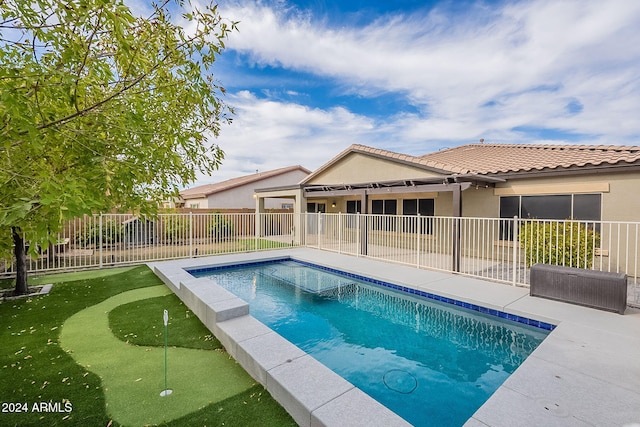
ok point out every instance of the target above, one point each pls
(209, 302)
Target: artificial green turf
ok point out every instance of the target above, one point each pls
(34, 368)
(133, 376)
(185, 329)
(251, 408)
(40, 279)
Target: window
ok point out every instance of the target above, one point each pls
(423, 207)
(354, 206)
(586, 207)
(575, 206)
(509, 207)
(316, 207)
(384, 207)
(194, 205)
(546, 207)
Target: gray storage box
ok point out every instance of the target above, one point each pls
(591, 288)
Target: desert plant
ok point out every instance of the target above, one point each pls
(566, 243)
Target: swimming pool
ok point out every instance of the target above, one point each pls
(433, 363)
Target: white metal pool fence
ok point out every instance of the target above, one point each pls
(495, 249)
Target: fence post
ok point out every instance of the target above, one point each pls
(256, 229)
(190, 234)
(363, 226)
(358, 247)
(516, 243)
(302, 227)
(292, 228)
(456, 244)
(339, 232)
(318, 229)
(419, 237)
(100, 244)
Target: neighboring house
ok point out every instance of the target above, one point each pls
(476, 180)
(238, 193)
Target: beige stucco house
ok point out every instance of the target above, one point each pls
(238, 193)
(475, 180)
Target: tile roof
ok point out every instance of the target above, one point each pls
(489, 159)
(504, 158)
(208, 189)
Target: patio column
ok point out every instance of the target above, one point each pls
(364, 235)
(299, 207)
(259, 213)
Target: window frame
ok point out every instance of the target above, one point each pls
(506, 231)
(424, 207)
(389, 207)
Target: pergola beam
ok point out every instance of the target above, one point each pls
(420, 188)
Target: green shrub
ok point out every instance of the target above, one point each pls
(176, 228)
(220, 227)
(112, 233)
(570, 243)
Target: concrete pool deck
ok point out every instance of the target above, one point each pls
(585, 373)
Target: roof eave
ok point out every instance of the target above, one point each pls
(355, 148)
(280, 188)
(194, 196)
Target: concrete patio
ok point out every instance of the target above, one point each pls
(585, 373)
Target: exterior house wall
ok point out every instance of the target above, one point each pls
(618, 190)
(358, 168)
(622, 202)
(477, 203)
(615, 176)
(201, 203)
(341, 204)
(242, 196)
(443, 205)
(619, 203)
(614, 180)
(480, 203)
(238, 197)
(341, 201)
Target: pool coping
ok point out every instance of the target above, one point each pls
(584, 373)
(385, 284)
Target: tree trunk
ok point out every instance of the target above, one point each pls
(21, 262)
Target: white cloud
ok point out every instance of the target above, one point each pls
(268, 134)
(478, 74)
(453, 63)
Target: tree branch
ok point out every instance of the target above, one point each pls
(84, 61)
(94, 106)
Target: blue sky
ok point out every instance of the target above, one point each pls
(309, 78)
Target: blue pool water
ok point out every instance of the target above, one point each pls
(432, 363)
